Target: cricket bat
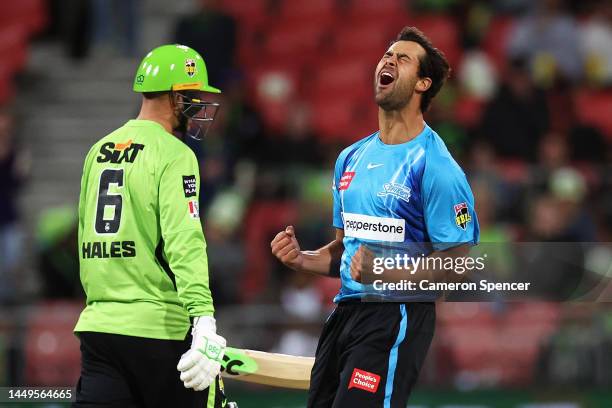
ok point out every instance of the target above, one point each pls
(277, 370)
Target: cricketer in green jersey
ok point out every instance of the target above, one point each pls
(143, 260)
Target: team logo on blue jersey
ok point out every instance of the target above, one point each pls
(462, 215)
(396, 190)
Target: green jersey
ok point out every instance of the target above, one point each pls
(143, 261)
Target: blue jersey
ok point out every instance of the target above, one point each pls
(409, 195)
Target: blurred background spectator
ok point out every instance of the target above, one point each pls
(596, 43)
(115, 25)
(13, 171)
(212, 33)
(527, 113)
(548, 38)
(517, 115)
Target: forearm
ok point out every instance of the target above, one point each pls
(324, 261)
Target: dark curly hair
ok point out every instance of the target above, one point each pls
(432, 65)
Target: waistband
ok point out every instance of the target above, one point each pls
(359, 302)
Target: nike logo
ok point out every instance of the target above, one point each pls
(373, 166)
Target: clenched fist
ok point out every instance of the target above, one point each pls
(362, 263)
(286, 248)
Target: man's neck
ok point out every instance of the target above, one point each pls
(400, 126)
(154, 110)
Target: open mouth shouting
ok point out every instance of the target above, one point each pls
(385, 78)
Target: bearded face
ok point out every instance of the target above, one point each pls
(396, 75)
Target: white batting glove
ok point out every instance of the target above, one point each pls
(200, 365)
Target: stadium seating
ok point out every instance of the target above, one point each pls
(340, 120)
(272, 88)
(493, 348)
(375, 9)
(30, 13)
(468, 111)
(247, 12)
(595, 107)
(12, 58)
(347, 78)
(297, 40)
(52, 356)
(264, 220)
(495, 40)
(362, 40)
(513, 171)
(312, 10)
(7, 89)
(19, 21)
(332, 118)
(13, 46)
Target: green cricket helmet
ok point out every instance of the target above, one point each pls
(172, 68)
(180, 69)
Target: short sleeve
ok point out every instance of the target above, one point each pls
(178, 194)
(448, 205)
(336, 183)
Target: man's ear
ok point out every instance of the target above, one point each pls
(174, 101)
(423, 84)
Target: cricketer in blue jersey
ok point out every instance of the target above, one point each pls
(398, 190)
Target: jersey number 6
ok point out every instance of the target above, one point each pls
(105, 199)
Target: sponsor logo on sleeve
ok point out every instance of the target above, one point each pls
(189, 186)
(399, 191)
(462, 215)
(364, 380)
(374, 228)
(345, 180)
(194, 210)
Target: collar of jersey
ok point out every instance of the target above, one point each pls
(417, 139)
(144, 122)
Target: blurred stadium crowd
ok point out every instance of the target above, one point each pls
(527, 112)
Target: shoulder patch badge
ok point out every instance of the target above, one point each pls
(462, 215)
(189, 186)
(194, 210)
